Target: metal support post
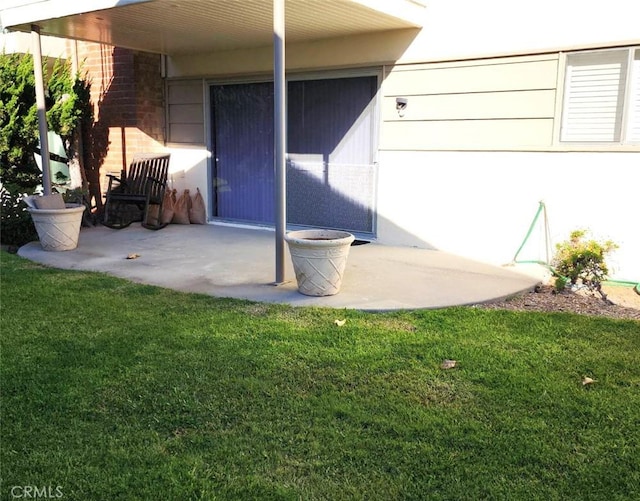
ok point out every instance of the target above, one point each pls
(280, 135)
(42, 109)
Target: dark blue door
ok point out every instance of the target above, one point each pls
(242, 126)
(330, 172)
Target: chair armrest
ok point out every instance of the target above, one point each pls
(121, 183)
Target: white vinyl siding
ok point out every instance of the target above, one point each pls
(185, 114)
(595, 96)
(497, 104)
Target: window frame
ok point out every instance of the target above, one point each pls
(629, 108)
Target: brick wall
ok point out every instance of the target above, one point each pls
(128, 96)
(149, 97)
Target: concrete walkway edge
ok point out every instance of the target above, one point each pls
(238, 262)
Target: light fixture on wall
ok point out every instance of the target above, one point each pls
(401, 105)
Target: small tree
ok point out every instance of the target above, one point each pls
(68, 105)
(581, 262)
(18, 124)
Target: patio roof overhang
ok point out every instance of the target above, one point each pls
(177, 27)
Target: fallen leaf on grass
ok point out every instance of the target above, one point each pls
(587, 380)
(448, 364)
(133, 256)
(340, 323)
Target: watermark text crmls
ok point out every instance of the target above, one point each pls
(36, 492)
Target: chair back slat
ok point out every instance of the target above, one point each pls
(144, 167)
(160, 172)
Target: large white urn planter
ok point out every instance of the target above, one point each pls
(319, 258)
(58, 229)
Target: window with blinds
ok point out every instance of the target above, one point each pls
(602, 97)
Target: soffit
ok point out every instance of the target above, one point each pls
(191, 26)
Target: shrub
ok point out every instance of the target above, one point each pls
(18, 124)
(17, 227)
(68, 105)
(580, 261)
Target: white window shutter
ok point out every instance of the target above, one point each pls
(633, 128)
(594, 95)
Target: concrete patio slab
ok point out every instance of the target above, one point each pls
(238, 262)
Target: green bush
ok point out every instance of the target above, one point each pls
(18, 124)
(17, 227)
(68, 105)
(580, 261)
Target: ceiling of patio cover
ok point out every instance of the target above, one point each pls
(190, 26)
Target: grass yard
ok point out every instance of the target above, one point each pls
(117, 391)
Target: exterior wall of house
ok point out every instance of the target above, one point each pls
(460, 29)
(465, 165)
(479, 204)
(503, 103)
(189, 169)
(186, 129)
(21, 43)
(344, 52)
(128, 96)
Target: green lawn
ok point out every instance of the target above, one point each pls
(117, 391)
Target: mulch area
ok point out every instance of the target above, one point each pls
(626, 302)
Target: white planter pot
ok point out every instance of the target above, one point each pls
(58, 229)
(319, 259)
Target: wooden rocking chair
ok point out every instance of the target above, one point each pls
(130, 198)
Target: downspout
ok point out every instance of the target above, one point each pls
(280, 136)
(42, 110)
